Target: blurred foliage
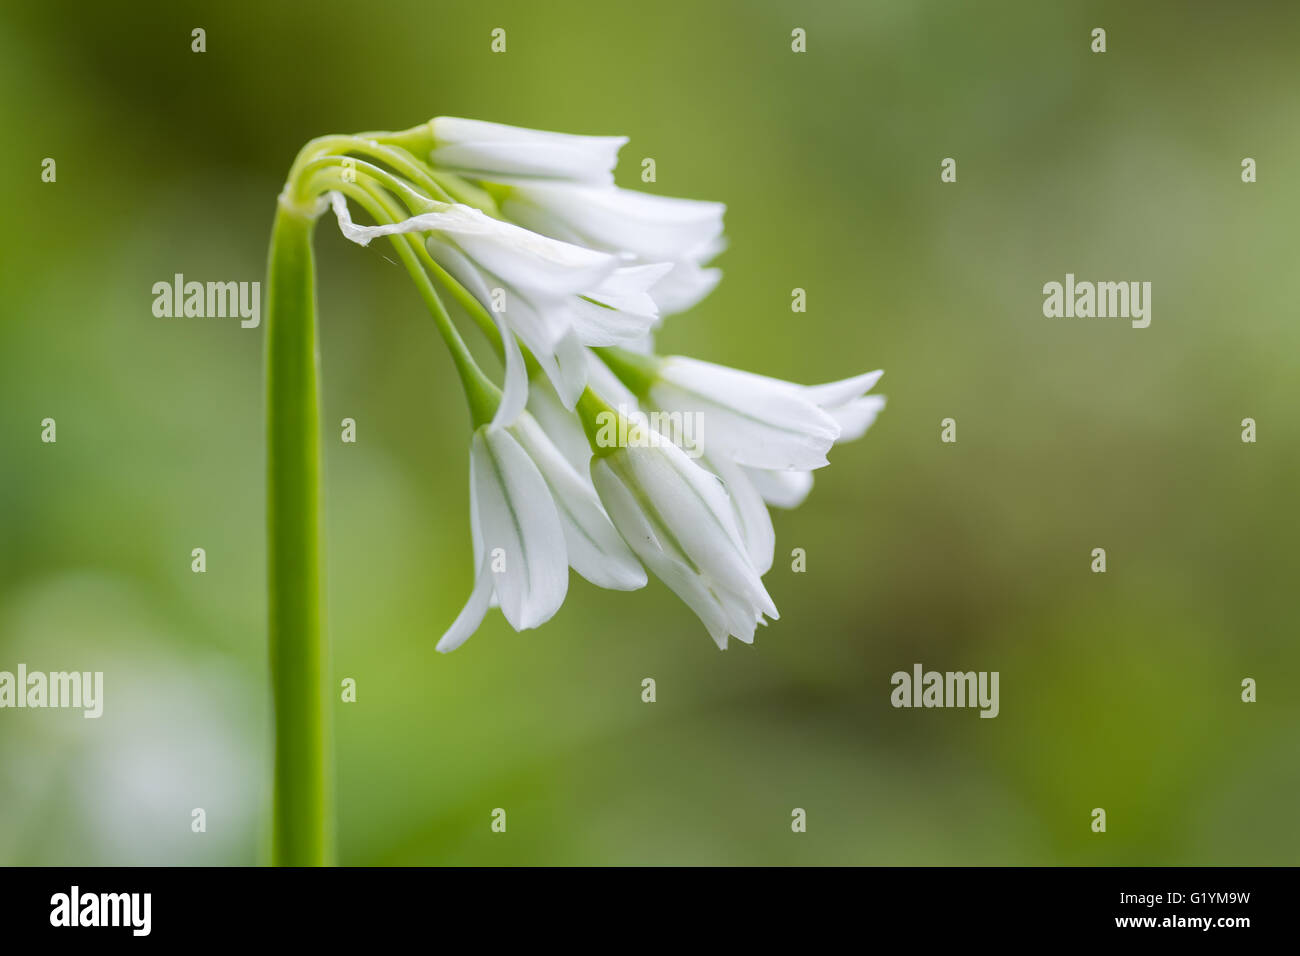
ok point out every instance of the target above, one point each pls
(1118, 690)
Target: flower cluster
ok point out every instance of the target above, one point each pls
(570, 275)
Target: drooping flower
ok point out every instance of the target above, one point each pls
(678, 520)
(761, 436)
(558, 264)
(519, 552)
(749, 419)
(532, 516)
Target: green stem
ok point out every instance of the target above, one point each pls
(638, 372)
(302, 815)
(396, 157)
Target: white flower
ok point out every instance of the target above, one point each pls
(853, 411)
(650, 227)
(483, 150)
(749, 419)
(678, 520)
(646, 227)
(558, 296)
(519, 552)
(532, 515)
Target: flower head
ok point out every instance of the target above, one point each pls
(569, 275)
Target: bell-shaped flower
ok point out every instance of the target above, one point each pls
(519, 547)
(852, 410)
(749, 419)
(748, 507)
(650, 227)
(533, 515)
(678, 520)
(482, 150)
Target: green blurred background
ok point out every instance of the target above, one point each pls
(1119, 690)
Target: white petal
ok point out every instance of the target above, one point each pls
(515, 394)
(781, 489)
(618, 311)
(752, 519)
(684, 287)
(597, 325)
(740, 615)
(855, 417)
(595, 549)
(833, 394)
(627, 288)
(561, 425)
(484, 149)
(519, 518)
(548, 333)
(525, 260)
(754, 420)
(566, 367)
(471, 616)
(642, 346)
(648, 226)
(522, 259)
(364, 235)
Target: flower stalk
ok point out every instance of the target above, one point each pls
(302, 812)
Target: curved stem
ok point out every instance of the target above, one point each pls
(396, 157)
(302, 814)
(336, 165)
